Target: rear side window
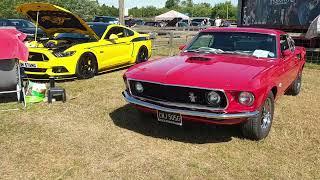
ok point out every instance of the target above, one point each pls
(119, 31)
(128, 32)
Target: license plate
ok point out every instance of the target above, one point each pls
(172, 118)
(28, 65)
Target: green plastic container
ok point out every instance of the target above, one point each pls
(34, 99)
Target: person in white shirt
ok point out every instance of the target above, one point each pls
(217, 22)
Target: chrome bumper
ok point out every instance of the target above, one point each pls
(209, 115)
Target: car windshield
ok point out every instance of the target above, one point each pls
(250, 44)
(98, 28)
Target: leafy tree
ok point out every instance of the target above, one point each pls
(172, 4)
(88, 8)
(203, 10)
(187, 3)
(108, 11)
(84, 8)
(221, 10)
(188, 7)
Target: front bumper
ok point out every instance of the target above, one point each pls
(53, 67)
(207, 115)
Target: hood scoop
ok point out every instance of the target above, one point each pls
(199, 58)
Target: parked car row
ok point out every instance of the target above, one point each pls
(24, 26)
(223, 76)
(106, 19)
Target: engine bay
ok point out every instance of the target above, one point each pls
(58, 43)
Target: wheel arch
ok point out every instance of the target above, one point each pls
(143, 47)
(274, 90)
(266, 91)
(93, 54)
(140, 49)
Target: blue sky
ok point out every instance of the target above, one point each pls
(157, 3)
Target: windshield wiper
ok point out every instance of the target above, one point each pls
(238, 53)
(206, 50)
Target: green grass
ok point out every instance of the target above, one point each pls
(313, 66)
(96, 135)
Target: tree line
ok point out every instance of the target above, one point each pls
(89, 8)
(222, 10)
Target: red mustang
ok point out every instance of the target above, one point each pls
(224, 76)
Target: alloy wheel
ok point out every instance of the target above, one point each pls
(266, 115)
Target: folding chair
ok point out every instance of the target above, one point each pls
(11, 82)
(12, 49)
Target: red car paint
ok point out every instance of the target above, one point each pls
(231, 73)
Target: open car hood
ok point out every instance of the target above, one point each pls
(54, 19)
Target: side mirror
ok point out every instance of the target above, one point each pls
(287, 52)
(182, 47)
(113, 37)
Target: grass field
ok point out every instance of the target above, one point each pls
(96, 135)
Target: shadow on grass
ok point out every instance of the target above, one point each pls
(9, 102)
(70, 78)
(197, 133)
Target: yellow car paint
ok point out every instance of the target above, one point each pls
(45, 12)
(109, 54)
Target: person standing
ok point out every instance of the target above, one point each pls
(218, 22)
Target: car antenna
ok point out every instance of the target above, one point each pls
(37, 23)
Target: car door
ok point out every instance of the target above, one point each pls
(295, 61)
(287, 63)
(116, 52)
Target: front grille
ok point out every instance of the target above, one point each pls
(37, 57)
(35, 69)
(176, 94)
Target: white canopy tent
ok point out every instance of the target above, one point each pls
(314, 29)
(168, 16)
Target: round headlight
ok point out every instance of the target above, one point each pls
(246, 98)
(139, 87)
(213, 98)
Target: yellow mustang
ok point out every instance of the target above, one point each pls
(75, 47)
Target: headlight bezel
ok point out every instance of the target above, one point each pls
(246, 98)
(140, 86)
(63, 54)
(212, 103)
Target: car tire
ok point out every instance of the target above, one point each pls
(87, 66)
(296, 86)
(258, 128)
(142, 55)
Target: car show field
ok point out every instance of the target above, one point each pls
(142, 91)
(96, 134)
